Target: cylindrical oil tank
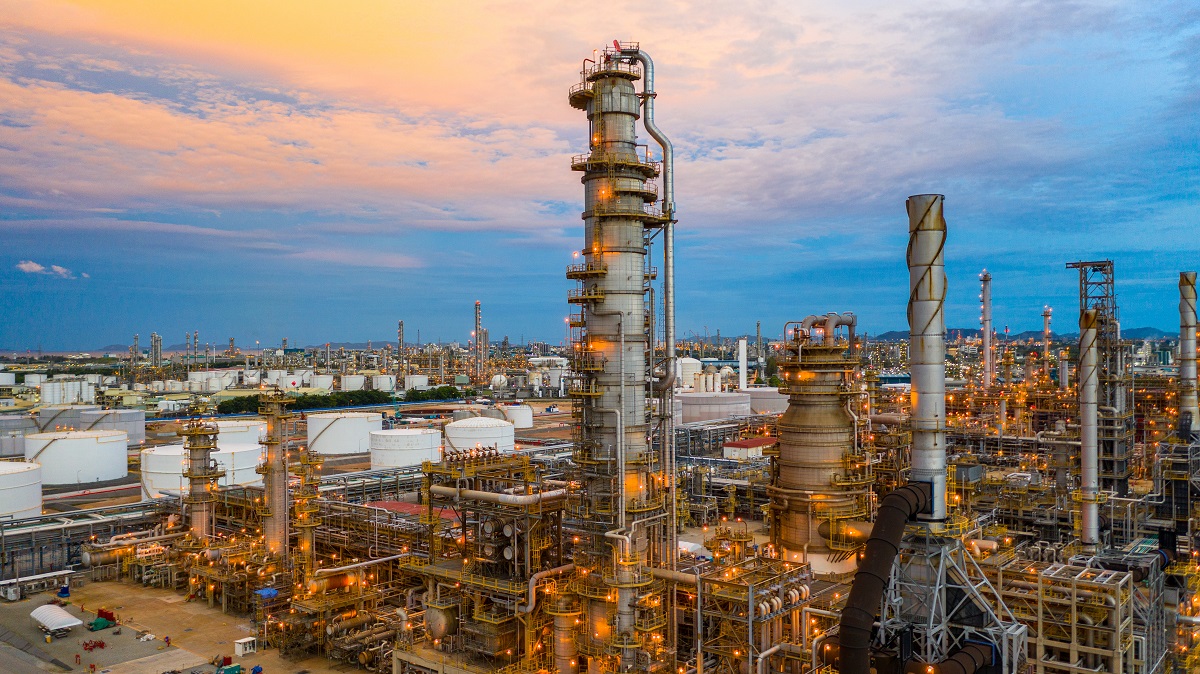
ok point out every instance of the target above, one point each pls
(174, 386)
(521, 416)
(304, 376)
(353, 382)
(688, 368)
(404, 447)
(34, 379)
(383, 382)
(766, 400)
(213, 384)
(20, 489)
(158, 386)
(708, 406)
(79, 457)
(162, 467)
(412, 381)
(62, 417)
(8, 378)
(251, 377)
(441, 621)
(133, 422)
(195, 386)
(324, 381)
(139, 386)
(241, 431)
(275, 376)
(342, 432)
(479, 432)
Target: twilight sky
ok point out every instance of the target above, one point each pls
(318, 170)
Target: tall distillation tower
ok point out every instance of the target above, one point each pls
(622, 513)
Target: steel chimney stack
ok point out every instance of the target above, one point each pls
(927, 345)
(1187, 347)
(1089, 460)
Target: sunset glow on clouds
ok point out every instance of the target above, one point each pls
(319, 169)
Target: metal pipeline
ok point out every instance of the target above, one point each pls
(866, 593)
(927, 344)
(1187, 348)
(967, 660)
(358, 565)
(500, 499)
(1089, 465)
(531, 599)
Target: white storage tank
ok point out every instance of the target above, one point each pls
(195, 386)
(304, 377)
(521, 416)
(62, 417)
(8, 379)
(766, 400)
(412, 381)
(275, 376)
(174, 386)
(241, 431)
(688, 369)
(353, 382)
(20, 489)
(499, 381)
(251, 377)
(79, 457)
(709, 406)
(34, 379)
(342, 432)
(383, 382)
(480, 432)
(162, 467)
(324, 381)
(133, 422)
(158, 386)
(405, 447)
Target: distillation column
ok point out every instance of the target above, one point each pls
(985, 321)
(819, 493)
(1187, 348)
(927, 345)
(201, 472)
(624, 506)
(275, 511)
(1089, 460)
(1046, 312)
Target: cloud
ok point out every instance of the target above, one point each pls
(31, 267)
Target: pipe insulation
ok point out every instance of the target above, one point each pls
(1089, 464)
(866, 593)
(1187, 348)
(927, 344)
(967, 660)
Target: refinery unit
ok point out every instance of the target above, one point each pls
(961, 505)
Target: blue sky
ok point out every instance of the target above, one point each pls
(267, 171)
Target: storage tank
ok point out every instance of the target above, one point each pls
(521, 416)
(342, 432)
(195, 386)
(174, 386)
(383, 382)
(62, 417)
(479, 432)
(158, 386)
(412, 381)
(162, 467)
(139, 386)
(275, 376)
(251, 377)
(241, 431)
(709, 406)
(20, 489)
(688, 369)
(132, 422)
(34, 379)
(324, 381)
(79, 457)
(212, 384)
(353, 382)
(8, 379)
(405, 447)
(499, 381)
(766, 400)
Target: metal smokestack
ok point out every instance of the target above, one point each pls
(1089, 387)
(1046, 342)
(1064, 375)
(927, 345)
(985, 321)
(478, 342)
(1187, 347)
(742, 364)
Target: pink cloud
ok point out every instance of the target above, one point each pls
(31, 267)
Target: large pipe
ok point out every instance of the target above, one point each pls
(531, 599)
(1089, 465)
(1187, 348)
(985, 321)
(927, 344)
(968, 660)
(866, 593)
(500, 499)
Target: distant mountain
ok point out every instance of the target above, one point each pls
(1148, 333)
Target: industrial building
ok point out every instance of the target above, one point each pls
(936, 506)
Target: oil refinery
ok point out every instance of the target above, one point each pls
(628, 501)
